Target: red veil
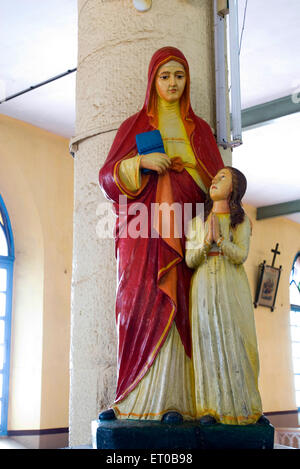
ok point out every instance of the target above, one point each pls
(153, 279)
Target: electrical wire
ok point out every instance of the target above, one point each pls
(243, 27)
(31, 88)
(242, 33)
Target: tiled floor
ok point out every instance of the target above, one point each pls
(9, 443)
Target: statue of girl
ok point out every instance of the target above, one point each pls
(224, 344)
(152, 301)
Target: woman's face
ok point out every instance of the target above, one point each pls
(221, 186)
(170, 81)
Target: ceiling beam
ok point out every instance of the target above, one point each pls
(278, 210)
(271, 110)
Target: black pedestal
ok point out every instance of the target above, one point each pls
(136, 434)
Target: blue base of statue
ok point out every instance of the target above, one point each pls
(136, 434)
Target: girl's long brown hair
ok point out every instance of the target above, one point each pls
(239, 186)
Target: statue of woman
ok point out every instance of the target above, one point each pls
(224, 349)
(152, 302)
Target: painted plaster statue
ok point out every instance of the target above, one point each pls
(224, 344)
(152, 301)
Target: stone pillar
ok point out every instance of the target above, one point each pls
(116, 43)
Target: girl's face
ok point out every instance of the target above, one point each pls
(221, 186)
(170, 81)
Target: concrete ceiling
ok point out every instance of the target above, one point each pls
(269, 157)
(270, 65)
(270, 69)
(38, 40)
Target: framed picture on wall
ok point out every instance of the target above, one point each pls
(267, 286)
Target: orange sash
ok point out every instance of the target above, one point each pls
(168, 226)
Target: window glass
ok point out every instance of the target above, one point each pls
(295, 331)
(6, 263)
(297, 382)
(295, 323)
(2, 331)
(3, 280)
(298, 398)
(2, 304)
(295, 282)
(1, 356)
(295, 318)
(296, 349)
(3, 243)
(296, 365)
(294, 294)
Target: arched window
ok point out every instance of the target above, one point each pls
(295, 322)
(6, 281)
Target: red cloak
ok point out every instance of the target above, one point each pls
(153, 279)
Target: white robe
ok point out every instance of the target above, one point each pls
(224, 345)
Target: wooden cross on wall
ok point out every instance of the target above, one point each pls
(275, 254)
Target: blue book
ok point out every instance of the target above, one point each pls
(149, 142)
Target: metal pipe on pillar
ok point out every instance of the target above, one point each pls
(227, 137)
